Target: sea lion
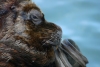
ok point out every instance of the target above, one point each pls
(27, 39)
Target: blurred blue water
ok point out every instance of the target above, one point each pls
(80, 21)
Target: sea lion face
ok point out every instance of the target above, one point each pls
(32, 27)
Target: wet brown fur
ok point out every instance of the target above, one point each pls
(37, 33)
(6, 4)
(29, 7)
(37, 36)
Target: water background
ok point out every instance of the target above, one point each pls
(80, 21)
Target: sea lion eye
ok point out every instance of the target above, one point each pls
(33, 17)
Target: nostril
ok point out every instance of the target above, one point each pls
(12, 7)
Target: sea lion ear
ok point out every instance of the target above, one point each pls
(43, 18)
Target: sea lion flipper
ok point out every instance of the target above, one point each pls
(61, 59)
(68, 47)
